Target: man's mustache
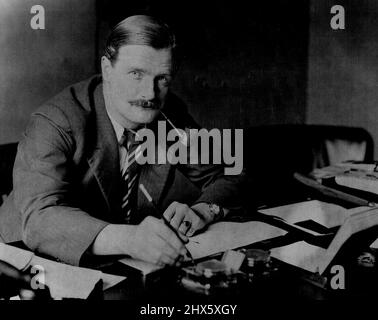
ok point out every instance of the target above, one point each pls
(153, 104)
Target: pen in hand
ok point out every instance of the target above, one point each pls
(166, 222)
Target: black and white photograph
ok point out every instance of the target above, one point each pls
(188, 158)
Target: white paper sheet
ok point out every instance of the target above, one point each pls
(224, 236)
(18, 258)
(64, 281)
(300, 254)
(110, 280)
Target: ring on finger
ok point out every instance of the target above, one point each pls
(187, 224)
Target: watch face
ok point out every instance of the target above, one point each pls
(214, 208)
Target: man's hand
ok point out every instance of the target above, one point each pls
(184, 219)
(154, 242)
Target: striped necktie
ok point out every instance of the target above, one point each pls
(130, 175)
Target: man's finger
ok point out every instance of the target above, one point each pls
(177, 218)
(170, 211)
(182, 211)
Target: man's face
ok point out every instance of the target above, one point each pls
(137, 84)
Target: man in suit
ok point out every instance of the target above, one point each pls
(75, 185)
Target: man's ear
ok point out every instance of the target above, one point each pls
(106, 68)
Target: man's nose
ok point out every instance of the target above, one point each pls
(148, 91)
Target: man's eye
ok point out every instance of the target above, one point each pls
(135, 74)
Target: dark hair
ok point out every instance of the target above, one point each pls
(139, 30)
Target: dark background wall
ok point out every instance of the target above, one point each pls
(343, 66)
(37, 64)
(245, 61)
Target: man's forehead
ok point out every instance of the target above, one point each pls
(144, 56)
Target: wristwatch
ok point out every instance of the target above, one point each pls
(216, 211)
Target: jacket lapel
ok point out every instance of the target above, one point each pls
(104, 161)
(153, 176)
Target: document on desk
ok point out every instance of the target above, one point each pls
(300, 254)
(63, 280)
(223, 236)
(219, 237)
(16, 257)
(66, 281)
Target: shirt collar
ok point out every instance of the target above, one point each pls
(119, 130)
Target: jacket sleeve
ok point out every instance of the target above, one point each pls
(215, 186)
(43, 177)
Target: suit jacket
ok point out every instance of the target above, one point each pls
(66, 176)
